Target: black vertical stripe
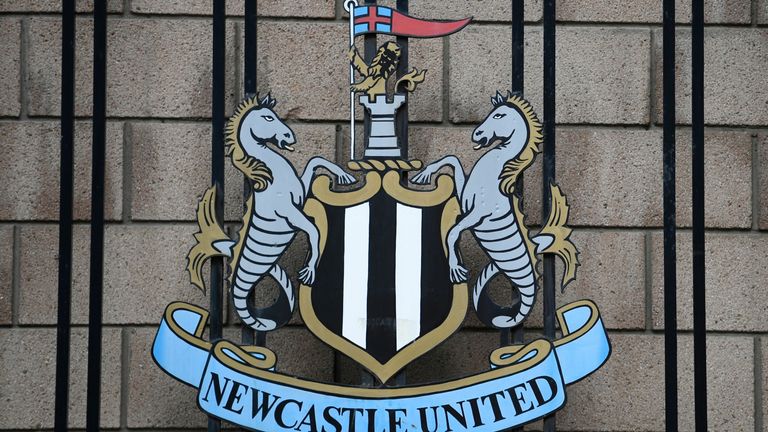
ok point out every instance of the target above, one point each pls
(218, 95)
(250, 52)
(63, 325)
(436, 286)
(548, 170)
(381, 337)
(670, 231)
(328, 290)
(96, 276)
(697, 195)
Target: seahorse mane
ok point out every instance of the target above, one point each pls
(513, 167)
(254, 169)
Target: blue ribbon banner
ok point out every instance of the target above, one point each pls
(240, 384)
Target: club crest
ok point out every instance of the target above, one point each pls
(384, 281)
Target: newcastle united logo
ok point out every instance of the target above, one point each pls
(384, 281)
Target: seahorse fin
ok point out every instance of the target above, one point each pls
(543, 241)
(211, 239)
(559, 234)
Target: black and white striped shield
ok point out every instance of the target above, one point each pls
(382, 293)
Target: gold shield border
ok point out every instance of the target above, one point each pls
(391, 184)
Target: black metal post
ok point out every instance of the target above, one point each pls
(98, 149)
(548, 174)
(518, 45)
(697, 171)
(217, 167)
(401, 118)
(401, 123)
(250, 87)
(518, 86)
(63, 324)
(670, 230)
(369, 51)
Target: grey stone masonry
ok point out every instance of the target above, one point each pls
(608, 163)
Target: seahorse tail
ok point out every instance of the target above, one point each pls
(500, 316)
(211, 239)
(272, 317)
(255, 261)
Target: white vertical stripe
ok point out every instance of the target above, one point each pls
(408, 274)
(354, 324)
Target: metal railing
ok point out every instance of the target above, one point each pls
(217, 306)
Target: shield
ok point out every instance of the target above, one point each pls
(382, 293)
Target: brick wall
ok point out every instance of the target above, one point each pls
(609, 163)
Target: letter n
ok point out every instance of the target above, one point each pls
(218, 389)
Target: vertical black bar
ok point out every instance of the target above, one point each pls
(401, 123)
(697, 174)
(548, 175)
(251, 48)
(65, 214)
(518, 45)
(369, 45)
(518, 86)
(217, 167)
(93, 407)
(249, 87)
(401, 119)
(670, 233)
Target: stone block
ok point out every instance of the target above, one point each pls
(35, 164)
(309, 80)
(6, 275)
(734, 61)
(594, 65)
(319, 9)
(426, 103)
(735, 277)
(28, 359)
(55, 6)
(493, 10)
(715, 12)
(144, 270)
(762, 12)
(10, 66)
(632, 383)
(156, 67)
(625, 187)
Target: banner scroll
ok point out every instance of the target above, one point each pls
(241, 385)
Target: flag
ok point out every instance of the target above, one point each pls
(381, 19)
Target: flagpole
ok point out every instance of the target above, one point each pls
(349, 6)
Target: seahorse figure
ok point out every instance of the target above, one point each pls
(492, 212)
(273, 213)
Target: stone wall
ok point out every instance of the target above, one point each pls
(609, 164)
